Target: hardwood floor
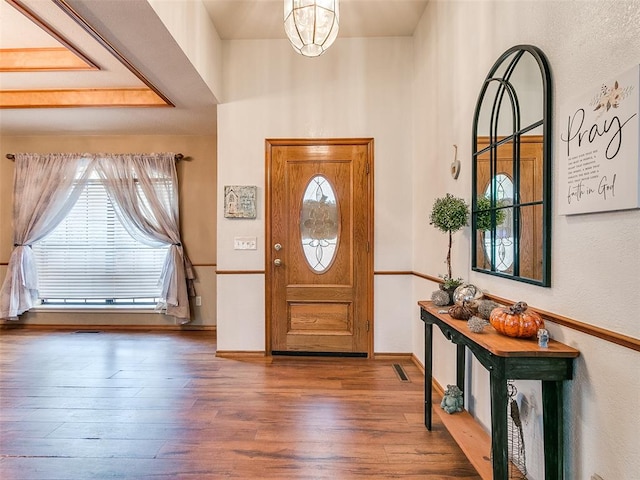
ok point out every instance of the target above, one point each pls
(148, 405)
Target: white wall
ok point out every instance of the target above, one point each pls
(191, 26)
(416, 98)
(359, 88)
(595, 258)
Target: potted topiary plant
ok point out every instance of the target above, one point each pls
(449, 214)
(449, 286)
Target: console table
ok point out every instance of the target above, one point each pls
(506, 359)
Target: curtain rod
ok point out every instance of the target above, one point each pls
(178, 156)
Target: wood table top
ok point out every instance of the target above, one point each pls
(498, 344)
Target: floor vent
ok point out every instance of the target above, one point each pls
(402, 375)
(88, 331)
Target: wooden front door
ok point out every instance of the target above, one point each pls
(319, 246)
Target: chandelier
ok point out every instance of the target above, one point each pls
(311, 25)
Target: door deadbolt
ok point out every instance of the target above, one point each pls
(277, 247)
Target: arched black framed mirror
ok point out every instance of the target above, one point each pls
(511, 192)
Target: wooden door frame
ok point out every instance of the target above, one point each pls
(268, 251)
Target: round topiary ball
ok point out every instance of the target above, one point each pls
(449, 214)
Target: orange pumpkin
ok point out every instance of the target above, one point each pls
(516, 321)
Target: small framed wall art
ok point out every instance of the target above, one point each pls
(240, 201)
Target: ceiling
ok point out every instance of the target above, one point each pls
(111, 66)
(262, 19)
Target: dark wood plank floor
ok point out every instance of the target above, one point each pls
(148, 405)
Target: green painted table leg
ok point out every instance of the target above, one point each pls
(460, 367)
(552, 420)
(428, 373)
(499, 445)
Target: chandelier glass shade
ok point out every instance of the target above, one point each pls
(311, 25)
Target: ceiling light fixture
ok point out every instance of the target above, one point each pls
(311, 25)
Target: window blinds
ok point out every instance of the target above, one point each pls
(91, 259)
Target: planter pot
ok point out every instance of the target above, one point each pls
(449, 291)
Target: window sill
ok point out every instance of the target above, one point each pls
(146, 309)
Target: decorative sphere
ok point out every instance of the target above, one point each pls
(440, 298)
(467, 293)
(485, 307)
(477, 324)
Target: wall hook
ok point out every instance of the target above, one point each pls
(455, 165)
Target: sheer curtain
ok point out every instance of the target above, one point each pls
(46, 186)
(144, 191)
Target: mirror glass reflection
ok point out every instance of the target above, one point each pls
(511, 169)
(501, 248)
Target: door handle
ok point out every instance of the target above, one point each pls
(277, 262)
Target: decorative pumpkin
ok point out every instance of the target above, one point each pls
(516, 321)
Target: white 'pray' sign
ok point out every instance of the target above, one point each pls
(599, 154)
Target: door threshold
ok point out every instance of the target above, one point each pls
(319, 354)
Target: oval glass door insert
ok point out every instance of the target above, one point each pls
(319, 224)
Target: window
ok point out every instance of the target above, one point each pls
(319, 222)
(90, 259)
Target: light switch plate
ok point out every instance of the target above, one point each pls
(245, 243)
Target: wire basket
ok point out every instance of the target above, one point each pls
(515, 436)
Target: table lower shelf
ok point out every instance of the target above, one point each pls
(472, 439)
